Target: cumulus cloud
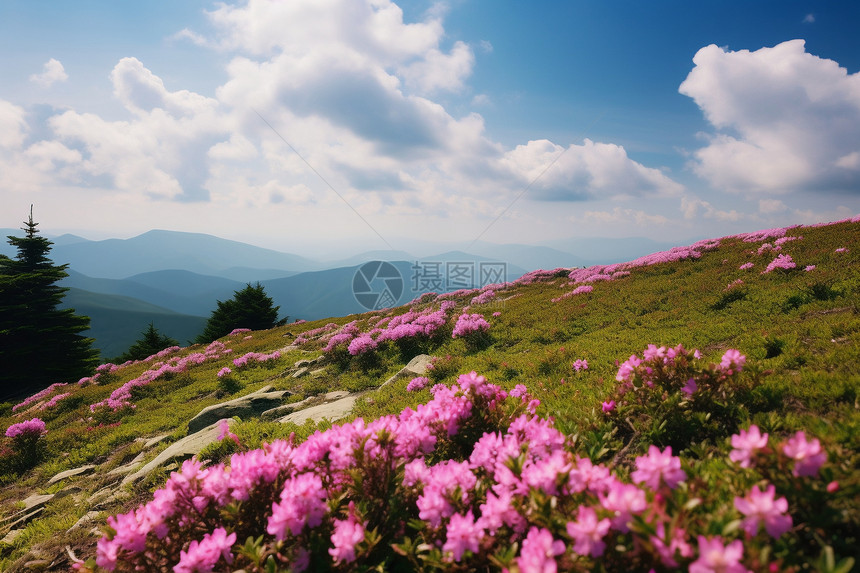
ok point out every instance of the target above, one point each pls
(581, 172)
(622, 216)
(693, 207)
(52, 72)
(769, 206)
(13, 125)
(786, 120)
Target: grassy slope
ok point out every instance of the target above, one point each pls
(800, 329)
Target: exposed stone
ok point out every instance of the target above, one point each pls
(335, 395)
(33, 506)
(300, 372)
(281, 411)
(86, 520)
(83, 470)
(303, 363)
(250, 405)
(185, 448)
(150, 442)
(10, 537)
(416, 367)
(332, 411)
(317, 372)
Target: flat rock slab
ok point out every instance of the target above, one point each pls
(281, 411)
(36, 501)
(178, 451)
(251, 405)
(331, 410)
(83, 470)
(11, 537)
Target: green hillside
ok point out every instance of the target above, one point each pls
(116, 322)
(798, 328)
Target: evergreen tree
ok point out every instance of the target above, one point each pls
(151, 341)
(40, 344)
(250, 308)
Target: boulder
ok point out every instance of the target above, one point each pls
(330, 410)
(416, 367)
(248, 406)
(178, 451)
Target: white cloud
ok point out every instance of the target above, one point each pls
(581, 172)
(621, 216)
(769, 206)
(13, 125)
(52, 72)
(809, 19)
(691, 207)
(786, 120)
(438, 71)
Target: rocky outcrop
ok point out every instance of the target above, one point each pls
(248, 406)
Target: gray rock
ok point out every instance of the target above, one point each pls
(83, 470)
(335, 395)
(281, 411)
(331, 410)
(11, 537)
(416, 367)
(87, 520)
(251, 405)
(178, 451)
(300, 372)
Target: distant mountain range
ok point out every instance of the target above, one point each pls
(174, 279)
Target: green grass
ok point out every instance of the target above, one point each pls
(800, 331)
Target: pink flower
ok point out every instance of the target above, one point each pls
(417, 384)
(746, 266)
(784, 262)
(33, 427)
(761, 506)
(745, 444)
(657, 466)
(224, 427)
(201, 557)
(463, 534)
(608, 406)
(807, 455)
(302, 503)
(538, 552)
(733, 360)
(348, 533)
(580, 365)
(808, 268)
(587, 532)
(714, 557)
(842, 250)
(677, 544)
(224, 372)
(690, 387)
(623, 500)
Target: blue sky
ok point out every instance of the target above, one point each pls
(314, 125)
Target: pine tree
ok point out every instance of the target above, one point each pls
(150, 342)
(250, 308)
(40, 344)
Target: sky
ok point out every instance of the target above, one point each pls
(313, 126)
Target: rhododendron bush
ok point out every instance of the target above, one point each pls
(476, 480)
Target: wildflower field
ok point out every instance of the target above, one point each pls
(696, 409)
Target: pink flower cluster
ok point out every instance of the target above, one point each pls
(224, 372)
(121, 398)
(784, 262)
(42, 394)
(249, 357)
(580, 364)
(468, 324)
(418, 383)
(581, 289)
(238, 331)
(808, 455)
(746, 266)
(484, 297)
(318, 496)
(32, 427)
(54, 400)
(842, 250)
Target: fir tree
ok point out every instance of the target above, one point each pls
(150, 342)
(250, 308)
(40, 344)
